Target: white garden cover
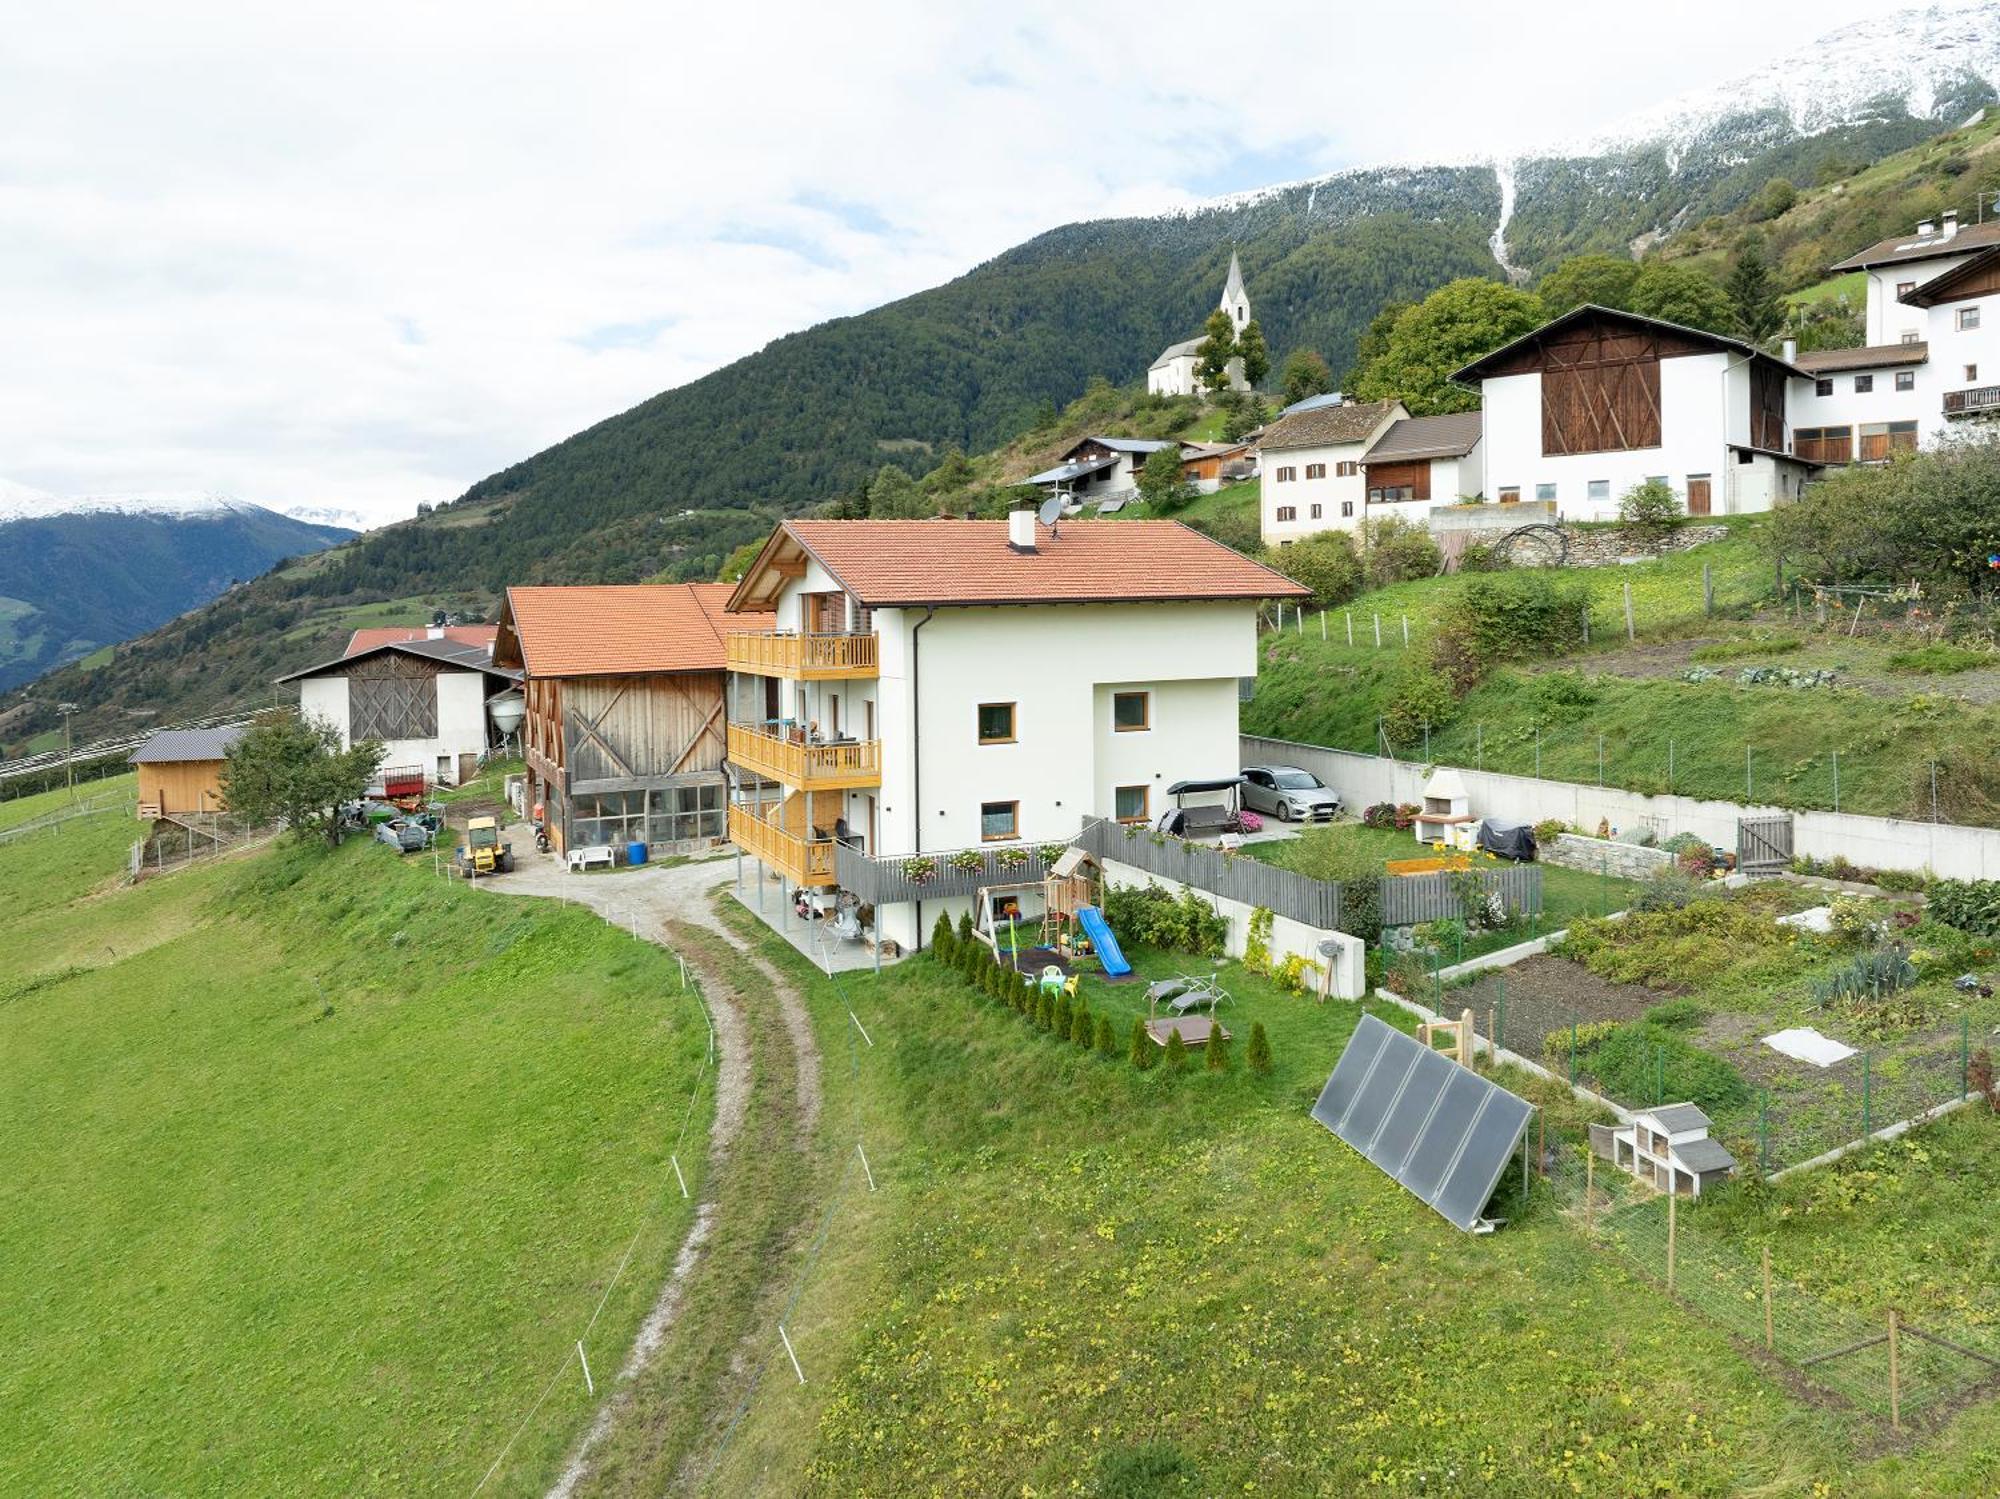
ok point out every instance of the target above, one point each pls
(1808, 1045)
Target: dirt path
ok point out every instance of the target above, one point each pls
(751, 1043)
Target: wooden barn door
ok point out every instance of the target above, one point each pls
(1698, 494)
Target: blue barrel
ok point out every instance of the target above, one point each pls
(635, 853)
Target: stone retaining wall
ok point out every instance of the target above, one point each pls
(1629, 861)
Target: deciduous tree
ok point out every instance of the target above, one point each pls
(1602, 280)
(1306, 374)
(1680, 294)
(1450, 328)
(1161, 484)
(290, 769)
(1254, 352)
(1217, 348)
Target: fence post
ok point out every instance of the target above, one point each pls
(1895, 1377)
(1427, 742)
(1630, 632)
(1572, 1051)
(1673, 1228)
(1322, 624)
(1763, 1129)
(1934, 809)
(1350, 628)
(1586, 624)
(1499, 1014)
(1749, 795)
(1964, 1055)
(1604, 884)
(1406, 632)
(1378, 632)
(1707, 588)
(1867, 1090)
(1589, 1183)
(1770, 1341)
(1660, 1076)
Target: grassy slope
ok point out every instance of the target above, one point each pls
(322, 1252)
(1070, 1261)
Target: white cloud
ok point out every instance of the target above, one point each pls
(364, 255)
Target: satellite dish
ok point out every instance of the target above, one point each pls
(1051, 511)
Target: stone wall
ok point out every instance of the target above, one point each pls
(1606, 546)
(1629, 861)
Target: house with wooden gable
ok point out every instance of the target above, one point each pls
(1100, 468)
(1592, 403)
(923, 687)
(1425, 460)
(626, 725)
(430, 696)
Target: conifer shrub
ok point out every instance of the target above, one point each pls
(1060, 1025)
(943, 939)
(1143, 1053)
(1080, 1028)
(1177, 1055)
(965, 936)
(1107, 1039)
(1217, 1059)
(1259, 1055)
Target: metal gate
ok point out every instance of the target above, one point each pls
(1764, 844)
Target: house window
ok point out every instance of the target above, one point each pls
(1346, 470)
(1904, 288)
(1824, 444)
(1510, 495)
(1971, 373)
(1390, 494)
(1288, 512)
(1286, 475)
(1314, 515)
(1906, 379)
(999, 820)
(996, 723)
(1598, 489)
(1347, 507)
(1545, 491)
(1968, 319)
(1863, 384)
(1315, 470)
(1132, 803)
(1910, 336)
(1822, 387)
(1131, 711)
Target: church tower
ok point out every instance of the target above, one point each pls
(1235, 300)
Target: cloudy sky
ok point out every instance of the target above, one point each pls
(360, 256)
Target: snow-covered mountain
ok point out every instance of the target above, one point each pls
(328, 515)
(19, 502)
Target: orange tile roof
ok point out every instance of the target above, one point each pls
(623, 629)
(374, 635)
(890, 563)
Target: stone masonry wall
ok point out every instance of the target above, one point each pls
(1630, 861)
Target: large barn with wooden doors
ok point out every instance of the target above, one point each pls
(626, 726)
(180, 771)
(1597, 401)
(425, 694)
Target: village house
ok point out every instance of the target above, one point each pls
(1100, 468)
(1177, 372)
(919, 687)
(626, 728)
(1932, 357)
(180, 771)
(1210, 465)
(1310, 463)
(1422, 460)
(1597, 401)
(426, 693)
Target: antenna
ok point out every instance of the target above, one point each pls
(1051, 511)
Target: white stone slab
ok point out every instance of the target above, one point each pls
(1812, 919)
(1808, 1045)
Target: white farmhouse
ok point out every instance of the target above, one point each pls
(1932, 359)
(1176, 372)
(424, 694)
(1597, 401)
(947, 685)
(1310, 463)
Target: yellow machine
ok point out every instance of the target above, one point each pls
(482, 852)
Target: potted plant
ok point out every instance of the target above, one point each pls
(968, 861)
(1009, 858)
(919, 868)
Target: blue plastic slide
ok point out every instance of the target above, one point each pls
(1092, 922)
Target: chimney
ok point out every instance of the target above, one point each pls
(1950, 222)
(1789, 349)
(1925, 228)
(434, 632)
(1021, 530)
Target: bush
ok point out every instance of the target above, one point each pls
(1326, 563)
(1081, 1031)
(1107, 1039)
(1682, 1014)
(1549, 828)
(1511, 616)
(1259, 1055)
(1059, 1014)
(1331, 854)
(1398, 551)
(1649, 511)
(1176, 1053)
(1480, 557)
(1143, 1052)
(965, 936)
(1401, 816)
(1851, 918)
(1668, 889)
(1151, 915)
(1643, 1063)
(1421, 698)
(942, 938)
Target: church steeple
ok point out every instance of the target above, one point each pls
(1235, 300)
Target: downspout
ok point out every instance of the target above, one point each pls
(916, 765)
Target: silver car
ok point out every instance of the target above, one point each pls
(1289, 794)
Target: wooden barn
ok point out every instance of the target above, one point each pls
(180, 771)
(626, 727)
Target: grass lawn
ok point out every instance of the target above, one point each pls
(1081, 1277)
(1852, 285)
(313, 1168)
(1230, 500)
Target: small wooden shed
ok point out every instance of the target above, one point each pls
(180, 770)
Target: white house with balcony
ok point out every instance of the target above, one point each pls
(1932, 360)
(1597, 401)
(939, 686)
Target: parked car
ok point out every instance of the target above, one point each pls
(1289, 794)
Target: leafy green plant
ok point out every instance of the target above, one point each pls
(1645, 1063)
(919, 869)
(1868, 978)
(1106, 1039)
(967, 861)
(1969, 905)
(1176, 1056)
(1217, 1058)
(1649, 511)
(1668, 888)
(1940, 659)
(1257, 941)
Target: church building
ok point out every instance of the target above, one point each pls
(1176, 372)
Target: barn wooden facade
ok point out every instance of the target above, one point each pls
(626, 727)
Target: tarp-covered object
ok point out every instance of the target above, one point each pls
(1510, 840)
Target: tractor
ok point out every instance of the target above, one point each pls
(482, 852)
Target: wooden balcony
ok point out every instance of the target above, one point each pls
(802, 658)
(803, 861)
(1974, 402)
(806, 767)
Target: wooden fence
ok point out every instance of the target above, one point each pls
(1204, 866)
(1409, 899)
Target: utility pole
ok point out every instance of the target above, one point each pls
(68, 712)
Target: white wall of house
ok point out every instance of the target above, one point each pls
(461, 721)
(1340, 500)
(1889, 319)
(1176, 377)
(325, 699)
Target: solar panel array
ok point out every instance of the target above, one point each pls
(1441, 1130)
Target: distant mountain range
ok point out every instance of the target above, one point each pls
(669, 487)
(83, 572)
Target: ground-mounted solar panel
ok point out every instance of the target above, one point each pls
(1441, 1130)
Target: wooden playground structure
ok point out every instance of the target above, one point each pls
(1065, 890)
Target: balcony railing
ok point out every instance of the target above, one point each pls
(804, 861)
(809, 767)
(774, 653)
(1973, 401)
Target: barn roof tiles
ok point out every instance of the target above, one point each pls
(618, 629)
(1326, 426)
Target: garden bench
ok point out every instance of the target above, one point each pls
(596, 853)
